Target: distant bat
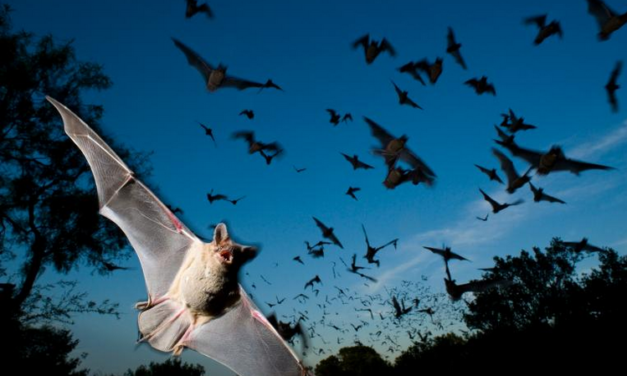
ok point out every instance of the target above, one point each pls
(327, 232)
(353, 268)
(351, 192)
(497, 207)
(399, 308)
(608, 20)
(298, 259)
(234, 202)
(248, 113)
(452, 47)
(347, 117)
(456, 291)
(552, 160)
(514, 123)
(372, 48)
(288, 330)
(335, 117)
(491, 173)
(403, 97)
(299, 170)
(484, 219)
(253, 145)
(193, 8)
(539, 195)
(356, 163)
(545, 30)
(394, 149)
(194, 298)
(372, 251)
(481, 85)
(215, 78)
(269, 157)
(583, 245)
(411, 69)
(433, 71)
(505, 139)
(397, 176)
(311, 282)
(211, 197)
(446, 253)
(514, 181)
(208, 132)
(612, 86)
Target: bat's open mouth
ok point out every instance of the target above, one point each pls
(226, 256)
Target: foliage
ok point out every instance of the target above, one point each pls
(171, 367)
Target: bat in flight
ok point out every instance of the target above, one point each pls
(216, 78)
(194, 298)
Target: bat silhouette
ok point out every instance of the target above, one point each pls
(327, 232)
(270, 157)
(248, 113)
(234, 202)
(211, 197)
(481, 85)
(399, 309)
(491, 173)
(552, 160)
(288, 330)
(311, 282)
(583, 245)
(393, 149)
(505, 139)
(403, 97)
(372, 251)
(456, 291)
(299, 170)
(452, 47)
(608, 20)
(353, 268)
(539, 195)
(335, 117)
(372, 48)
(433, 71)
(397, 176)
(545, 30)
(612, 86)
(351, 192)
(193, 8)
(514, 123)
(253, 145)
(514, 181)
(484, 219)
(216, 78)
(347, 117)
(446, 253)
(194, 298)
(411, 69)
(298, 259)
(356, 163)
(208, 132)
(497, 207)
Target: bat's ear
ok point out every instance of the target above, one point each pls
(220, 234)
(249, 253)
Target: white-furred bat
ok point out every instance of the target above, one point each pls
(194, 297)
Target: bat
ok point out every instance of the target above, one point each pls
(299, 170)
(327, 232)
(539, 195)
(193, 8)
(347, 117)
(270, 157)
(446, 253)
(211, 197)
(351, 192)
(452, 47)
(356, 163)
(496, 206)
(393, 149)
(397, 176)
(481, 85)
(372, 48)
(216, 78)
(608, 20)
(411, 69)
(583, 245)
(208, 132)
(335, 117)
(372, 251)
(403, 97)
(194, 298)
(545, 30)
(253, 145)
(514, 181)
(491, 173)
(456, 291)
(433, 71)
(298, 259)
(484, 219)
(400, 309)
(612, 86)
(311, 282)
(250, 114)
(514, 123)
(505, 139)
(552, 160)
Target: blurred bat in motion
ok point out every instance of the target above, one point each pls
(327, 232)
(194, 298)
(545, 30)
(372, 251)
(372, 48)
(539, 195)
(216, 78)
(403, 97)
(193, 8)
(456, 291)
(208, 132)
(351, 192)
(411, 69)
(583, 245)
(497, 207)
(250, 114)
(452, 47)
(514, 181)
(433, 71)
(608, 20)
(612, 86)
(481, 85)
(514, 123)
(255, 146)
(356, 163)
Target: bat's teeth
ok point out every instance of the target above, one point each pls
(226, 255)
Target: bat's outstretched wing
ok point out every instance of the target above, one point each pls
(601, 12)
(159, 238)
(195, 60)
(245, 341)
(531, 156)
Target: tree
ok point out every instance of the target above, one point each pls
(48, 204)
(171, 367)
(354, 361)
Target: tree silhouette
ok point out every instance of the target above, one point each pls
(354, 361)
(48, 205)
(171, 367)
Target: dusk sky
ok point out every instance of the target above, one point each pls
(305, 47)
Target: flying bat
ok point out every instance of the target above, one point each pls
(484, 219)
(335, 117)
(250, 114)
(327, 232)
(433, 71)
(452, 47)
(456, 291)
(311, 282)
(353, 268)
(255, 146)
(583, 245)
(612, 86)
(351, 192)
(491, 173)
(216, 78)
(372, 48)
(514, 181)
(481, 85)
(372, 251)
(394, 149)
(403, 97)
(347, 117)
(608, 20)
(539, 195)
(399, 309)
(193, 8)
(208, 132)
(217, 197)
(412, 69)
(446, 253)
(397, 176)
(194, 298)
(514, 123)
(544, 30)
(552, 160)
(356, 163)
(496, 206)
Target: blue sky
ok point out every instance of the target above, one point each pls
(304, 46)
